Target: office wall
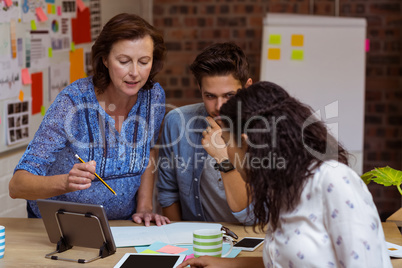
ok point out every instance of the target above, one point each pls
(191, 25)
(10, 158)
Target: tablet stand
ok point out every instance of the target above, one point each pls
(66, 239)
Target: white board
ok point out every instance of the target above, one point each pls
(330, 74)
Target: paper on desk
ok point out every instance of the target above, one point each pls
(174, 233)
(394, 250)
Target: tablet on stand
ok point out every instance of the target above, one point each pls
(71, 224)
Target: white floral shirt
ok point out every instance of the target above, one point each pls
(336, 224)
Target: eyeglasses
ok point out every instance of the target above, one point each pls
(228, 232)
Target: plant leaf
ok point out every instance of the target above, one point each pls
(367, 177)
(386, 176)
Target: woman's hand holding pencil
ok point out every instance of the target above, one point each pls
(88, 169)
(81, 175)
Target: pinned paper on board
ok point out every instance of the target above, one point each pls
(274, 39)
(8, 3)
(297, 40)
(43, 110)
(13, 38)
(40, 14)
(21, 95)
(297, 54)
(81, 27)
(17, 127)
(37, 92)
(274, 53)
(26, 77)
(77, 70)
(33, 25)
(81, 6)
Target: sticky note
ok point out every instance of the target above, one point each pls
(81, 6)
(8, 2)
(49, 8)
(72, 46)
(50, 1)
(41, 14)
(297, 40)
(148, 251)
(26, 77)
(53, 9)
(189, 256)
(58, 10)
(21, 95)
(33, 25)
(50, 52)
(274, 39)
(171, 249)
(367, 45)
(274, 53)
(297, 54)
(42, 110)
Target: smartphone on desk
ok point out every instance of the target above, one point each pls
(249, 243)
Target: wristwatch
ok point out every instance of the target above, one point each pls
(224, 166)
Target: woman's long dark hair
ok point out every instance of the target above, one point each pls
(290, 142)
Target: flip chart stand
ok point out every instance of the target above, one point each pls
(65, 220)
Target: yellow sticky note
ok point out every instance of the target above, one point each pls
(297, 40)
(53, 9)
(274, 53)
(149, 251)
(50, 52)
(33, 25)
(72, 46)
(21, 95)
(297, 54)
(42, 110)
(274, 39)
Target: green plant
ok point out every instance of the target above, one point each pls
(386, 176)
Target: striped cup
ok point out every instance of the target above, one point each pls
(2, 240)
(208, 242)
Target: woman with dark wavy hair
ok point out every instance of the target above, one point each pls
(316, 210)
(111, 120)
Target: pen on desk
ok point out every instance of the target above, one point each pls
(79, 158)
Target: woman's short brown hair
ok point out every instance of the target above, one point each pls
(124, 27)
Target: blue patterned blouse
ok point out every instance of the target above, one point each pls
(76, 123)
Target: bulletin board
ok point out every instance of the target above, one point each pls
(44, 46)
(321, 61)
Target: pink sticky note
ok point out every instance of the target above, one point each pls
(58, 10)
(8, 2)
(26, 77)
(367, 45)
(189, 257)
(41, 14)
(171, 249)
(81, 6)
